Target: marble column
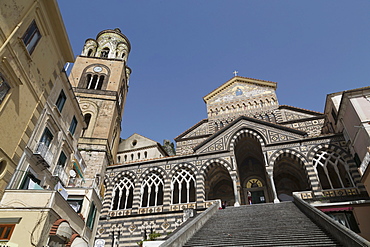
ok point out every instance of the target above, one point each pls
(271, 177)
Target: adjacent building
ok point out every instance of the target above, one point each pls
(34, 47)
(50, 178)
(348, 113)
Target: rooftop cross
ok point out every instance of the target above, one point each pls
(235, 73)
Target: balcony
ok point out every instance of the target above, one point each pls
(61, 175)
(44, 155)
(26, 200)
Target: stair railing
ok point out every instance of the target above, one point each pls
(339, 232)
(183, 235)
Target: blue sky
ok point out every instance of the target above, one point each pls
(182, 50)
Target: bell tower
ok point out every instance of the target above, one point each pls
(100, 79)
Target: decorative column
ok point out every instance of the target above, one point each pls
(236, 185)
(271, 177)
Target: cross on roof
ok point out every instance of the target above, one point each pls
(235, 72)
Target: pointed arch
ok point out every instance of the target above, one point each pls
(241, 133)
(335, 167)
(290, 173)
(183, 184)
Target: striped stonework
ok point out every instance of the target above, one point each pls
(245, 133)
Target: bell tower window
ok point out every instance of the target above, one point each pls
(104, 53)
(94, 81)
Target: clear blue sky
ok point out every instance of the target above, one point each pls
(182, 50)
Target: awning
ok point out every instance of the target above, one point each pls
(79, 242)
(62, 229)
(78, 170)
(336, 209)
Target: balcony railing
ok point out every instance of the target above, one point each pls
(61, 174)
(44, 155)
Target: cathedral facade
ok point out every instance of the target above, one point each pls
(250, 149)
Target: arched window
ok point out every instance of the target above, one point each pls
(216, 126)
(100, 83)
(145, 154)
(333, 171)
(132, 156)
(123, 55)
(183, 187)
(89, 53)
(119, 159)
(273, 118)
(91, 81)
(152, 191)
(138, 156)
(125, 158)
(104, 53)
(123, 194)
(87, 118)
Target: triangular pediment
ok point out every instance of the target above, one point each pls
(268, 133)
(240, 88)
(135, 141)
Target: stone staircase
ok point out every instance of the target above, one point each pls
(280, 224)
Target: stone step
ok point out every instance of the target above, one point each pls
(281, 224)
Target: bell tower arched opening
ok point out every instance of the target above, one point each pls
(219, 185)
(251, 166)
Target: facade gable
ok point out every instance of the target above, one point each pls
(239, 91)
(267, 133)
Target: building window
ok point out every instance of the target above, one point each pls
(104, 53)
(334, 114)
(87, 118)
(6, 231)
(46, 139)
(152, 191)
(345, 218)
(60, 101)
(94, 81)
(183, 187)
(30, 182)
(91, 218)
(76, 204)
(4, 88)
(72, 127)
(123, 194)
(62, 160)
(89, 52)
(31, 37)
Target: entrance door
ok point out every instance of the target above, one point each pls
(258, 197)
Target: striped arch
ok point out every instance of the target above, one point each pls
(202, 180)
(213, 162)
(110, 183)
(347, 158)
(245, 133)
(156, 169)
(152, 185)
(182, 166)
(287, 153)
(311, 175)
(183, 175)
(125, 174)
